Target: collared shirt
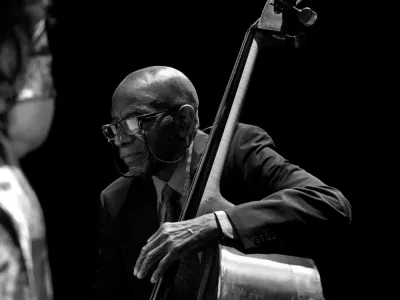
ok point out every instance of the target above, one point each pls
(177, 182)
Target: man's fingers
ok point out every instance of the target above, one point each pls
(138, 264)
(143, 253)
(150, 245)
(151, 258)
(146, 250)
(162, 228)
(164, 264)
(155, 234)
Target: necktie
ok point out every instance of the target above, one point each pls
(185, 284)
(171, 199)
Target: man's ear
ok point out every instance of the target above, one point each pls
(184, 120)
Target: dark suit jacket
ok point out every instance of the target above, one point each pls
(280, 208)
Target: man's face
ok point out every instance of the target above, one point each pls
(158, 135)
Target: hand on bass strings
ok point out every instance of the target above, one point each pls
(174, 240)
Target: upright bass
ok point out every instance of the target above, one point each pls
(226, 272)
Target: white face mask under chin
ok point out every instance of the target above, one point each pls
(28, 125)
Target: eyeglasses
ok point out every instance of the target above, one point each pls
(129, 125)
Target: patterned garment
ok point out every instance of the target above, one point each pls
(14, 284)
(24, 264)
(25, 75)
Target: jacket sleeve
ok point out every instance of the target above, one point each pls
(110, 282)
(294, 211)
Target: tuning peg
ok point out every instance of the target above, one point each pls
(306, 16)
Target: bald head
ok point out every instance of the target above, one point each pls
(157, 87)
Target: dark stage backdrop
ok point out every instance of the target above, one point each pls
(303, 100)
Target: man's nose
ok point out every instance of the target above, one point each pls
(122, 139)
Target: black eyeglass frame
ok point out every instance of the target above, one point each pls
(139, 120)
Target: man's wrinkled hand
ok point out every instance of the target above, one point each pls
(174, 240)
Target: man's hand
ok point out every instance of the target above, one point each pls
(174, 240)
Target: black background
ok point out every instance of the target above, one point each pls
(306, 101)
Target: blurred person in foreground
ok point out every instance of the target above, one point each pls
(27, 99)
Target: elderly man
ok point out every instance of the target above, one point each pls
(266, 204)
